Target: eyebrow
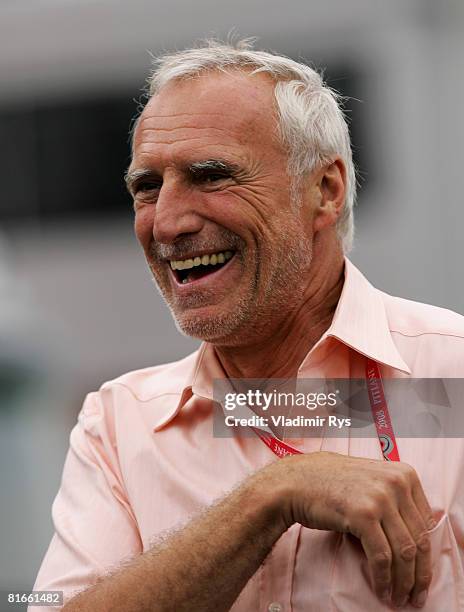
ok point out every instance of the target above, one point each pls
(195, 169)
(214, 165)
(132, 176)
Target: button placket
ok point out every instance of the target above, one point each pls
(278, 572)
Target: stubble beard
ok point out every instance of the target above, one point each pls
(221, 326)
(285, 288)
(246, 318)
(218, 329)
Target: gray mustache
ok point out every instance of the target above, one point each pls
(184, 245)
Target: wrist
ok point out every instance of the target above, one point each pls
(273, 492)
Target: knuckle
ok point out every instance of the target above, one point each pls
(431, 522)
(392, 476)
(408, 552)
(423, 543)
(399, 481)
(406, 585)
(369, 511)
(382, 581)
(381, 561)
(381, 497)
(423, 581)
(407, 469)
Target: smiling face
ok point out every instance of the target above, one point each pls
(229, 250)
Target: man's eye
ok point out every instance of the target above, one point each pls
(147, 187)
(215, 176)
(211, 177)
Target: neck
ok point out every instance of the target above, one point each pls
(282, 350)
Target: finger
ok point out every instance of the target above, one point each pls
(379, 557)
(423, 563)
(404, 551)
(422, 504)
(418, 494)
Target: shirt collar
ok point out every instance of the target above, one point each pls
(360, 321)
(199, 378)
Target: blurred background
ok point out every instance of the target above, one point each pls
(77, 305)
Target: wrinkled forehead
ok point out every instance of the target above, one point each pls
(236, 103)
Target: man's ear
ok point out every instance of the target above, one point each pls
(332, 188)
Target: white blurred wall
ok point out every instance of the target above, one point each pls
(90, 282)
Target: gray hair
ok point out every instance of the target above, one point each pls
(311, 122)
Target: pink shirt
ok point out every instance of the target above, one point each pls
(143, 460)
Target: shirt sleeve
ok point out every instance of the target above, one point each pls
(95, 527)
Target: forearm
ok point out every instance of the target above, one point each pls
(202, 567)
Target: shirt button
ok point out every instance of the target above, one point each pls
(275, 607)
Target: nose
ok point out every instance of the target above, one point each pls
(175, 214)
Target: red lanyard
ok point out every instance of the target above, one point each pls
(380, 414)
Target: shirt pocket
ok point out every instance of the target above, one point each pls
(351, 582)
(447, 588)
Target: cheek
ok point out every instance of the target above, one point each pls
(246, 212)
(143, 226)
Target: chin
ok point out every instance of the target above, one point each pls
(219, 329)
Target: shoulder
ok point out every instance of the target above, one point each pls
(411, 318)
(430, 338)
(147, 394)
(148, 383)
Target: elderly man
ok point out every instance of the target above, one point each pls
(243, 186)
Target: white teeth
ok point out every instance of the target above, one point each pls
(204, 260)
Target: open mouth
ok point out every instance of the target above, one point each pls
(188, 270)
